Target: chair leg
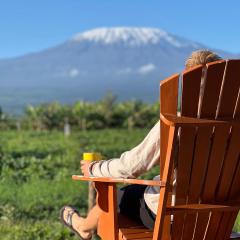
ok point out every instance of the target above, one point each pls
(106, 200)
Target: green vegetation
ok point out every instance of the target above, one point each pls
(36, 169)
(106, 113)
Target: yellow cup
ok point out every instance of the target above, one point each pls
(92, 156)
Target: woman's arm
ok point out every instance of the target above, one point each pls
(131, 163)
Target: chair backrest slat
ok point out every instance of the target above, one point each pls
(187, 138)
(234, 191)
(219, 144)
(236, 135)
(190, 91)
(168, 104)
(200, 159)
(231, 162)
(229, 185)
(237, 109)
(229, 219)
(230, 89)
(211, 89)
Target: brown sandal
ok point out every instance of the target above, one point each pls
(68, 221)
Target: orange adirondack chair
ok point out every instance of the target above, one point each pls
(205, 143)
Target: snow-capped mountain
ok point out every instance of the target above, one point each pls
(130, 62)
(132, 37)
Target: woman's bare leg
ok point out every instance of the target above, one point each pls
(90, 222)
(85, 226)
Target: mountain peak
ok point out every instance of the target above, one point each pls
(133, 36)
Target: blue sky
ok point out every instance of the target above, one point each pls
(28, 25)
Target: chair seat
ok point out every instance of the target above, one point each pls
(129, 229)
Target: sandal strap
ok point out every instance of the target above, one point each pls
(69, 217)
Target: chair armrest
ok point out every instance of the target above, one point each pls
(120, 180)
(172, 120)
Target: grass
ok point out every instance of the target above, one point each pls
(35, 178)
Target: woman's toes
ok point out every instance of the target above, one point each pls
(66, 212)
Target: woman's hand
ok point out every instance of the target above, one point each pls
(84, 167)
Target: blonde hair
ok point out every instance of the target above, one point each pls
(201, 57)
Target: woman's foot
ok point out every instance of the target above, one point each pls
(75, 222)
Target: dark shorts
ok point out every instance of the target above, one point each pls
(132, 204)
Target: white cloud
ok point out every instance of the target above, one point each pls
(147, 68)
(73, 73)
(124, 71)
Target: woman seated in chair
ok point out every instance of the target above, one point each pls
(136, 201)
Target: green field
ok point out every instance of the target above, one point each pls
(36, 169)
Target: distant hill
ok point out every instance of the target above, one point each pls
(129, 62)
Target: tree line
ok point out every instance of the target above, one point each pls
(82, 115)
